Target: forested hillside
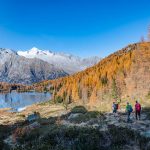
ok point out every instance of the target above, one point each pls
(123, 74)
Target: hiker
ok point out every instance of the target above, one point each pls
(114, 107)
(129, 111)
(118, 103)
(137, 110)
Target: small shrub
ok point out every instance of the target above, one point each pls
(86, 116)
(21, 115)
(93, 114)
(79, 109)
(148, 95)
(59, 99)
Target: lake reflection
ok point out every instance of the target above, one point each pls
(17, 101)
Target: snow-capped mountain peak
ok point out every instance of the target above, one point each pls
(34, 50)
(66, 62)
(35, 53)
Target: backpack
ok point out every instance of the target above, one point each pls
(117, 106)
(114, 106)
(138, 107)
(130, 108)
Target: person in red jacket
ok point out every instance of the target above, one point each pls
(137, 110)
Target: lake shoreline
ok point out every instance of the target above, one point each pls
(18, 101)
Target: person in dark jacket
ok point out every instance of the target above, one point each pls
(114, 107)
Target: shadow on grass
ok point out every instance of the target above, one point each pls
(6, 130)
(146, 111)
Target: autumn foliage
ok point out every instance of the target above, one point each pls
(7, 87)
(108, 77)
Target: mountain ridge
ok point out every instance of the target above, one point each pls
(18, 69)
(38, 65)
(68, 62)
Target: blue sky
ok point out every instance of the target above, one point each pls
(80, 27)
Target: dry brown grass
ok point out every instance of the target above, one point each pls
(45, 111)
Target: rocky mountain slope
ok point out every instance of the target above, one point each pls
(124, 74)
(18, 69)
(69, 63)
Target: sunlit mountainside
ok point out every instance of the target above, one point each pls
(123, 74)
